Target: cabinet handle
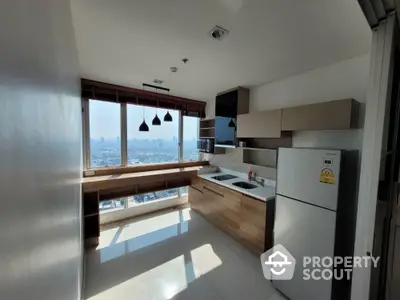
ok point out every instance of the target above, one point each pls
(213, 191)
(196, 189)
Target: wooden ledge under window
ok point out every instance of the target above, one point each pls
(141, 168)
(126, 184)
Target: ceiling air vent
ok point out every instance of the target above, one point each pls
(218, 33)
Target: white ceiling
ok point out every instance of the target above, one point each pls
(129, 42)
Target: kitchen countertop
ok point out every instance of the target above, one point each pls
(264, 193)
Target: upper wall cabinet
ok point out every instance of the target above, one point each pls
(340, 114)
(232, 102)
(228, 105)
(263, 124)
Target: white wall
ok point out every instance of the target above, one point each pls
(345, 79)
(40, 151)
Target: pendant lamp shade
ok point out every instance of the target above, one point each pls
(156, 121)
(143, 126)
(231, 124)
(168, 117)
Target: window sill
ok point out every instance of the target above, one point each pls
(141, 168)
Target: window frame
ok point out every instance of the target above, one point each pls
(124, 136)
(198, 137)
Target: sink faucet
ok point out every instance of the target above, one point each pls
(254, 178)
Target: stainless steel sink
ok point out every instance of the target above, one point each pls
(244, 185)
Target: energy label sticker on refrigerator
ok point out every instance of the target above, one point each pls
(327, 176)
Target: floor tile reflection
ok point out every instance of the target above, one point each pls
(174, 254)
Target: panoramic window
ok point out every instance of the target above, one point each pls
(190, 136)
(111, 126)
(105, 131)
(184, 191)
(159, 144)
(151, 197)
(112, 205)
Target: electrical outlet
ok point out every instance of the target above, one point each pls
(89, 173)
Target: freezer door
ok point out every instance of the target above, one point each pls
(309, 175)
(304, 230)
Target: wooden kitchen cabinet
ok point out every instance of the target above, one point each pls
(332, 115)
(197, 183)
(195, 199)
(240, 216)
(218, 213)
(263, 124)
(253, 220)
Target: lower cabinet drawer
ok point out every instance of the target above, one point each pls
(214, 187)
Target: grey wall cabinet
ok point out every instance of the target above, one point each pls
(263, 124)
(339, 114)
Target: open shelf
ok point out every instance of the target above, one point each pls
(207, 132)
(217, 150)
(267, 143)
(209, 123)
(258, 149)
(91, 226)
(260, 157)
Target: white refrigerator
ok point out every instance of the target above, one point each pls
(315, 215)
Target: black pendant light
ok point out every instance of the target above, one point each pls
(231, 123)
(168, 117)
(143, 126)
(156, 121)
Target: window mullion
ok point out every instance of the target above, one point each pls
(180, 137)
(86, 134)
(124, 135)
(198, 137)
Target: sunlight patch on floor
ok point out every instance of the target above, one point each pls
(162, 282)
(149, 225)
(135, 234)
(107, 236)
(204, 259)
(175, 255)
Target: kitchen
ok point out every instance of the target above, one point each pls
(241, 190)
(296, 106)
(244, 143)
(242, 131)
(246, 205)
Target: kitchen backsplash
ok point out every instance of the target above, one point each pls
(233, 159)
(335, 139)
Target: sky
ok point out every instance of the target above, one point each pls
(105, 121)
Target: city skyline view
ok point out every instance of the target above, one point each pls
(105, 122)
(158, 145)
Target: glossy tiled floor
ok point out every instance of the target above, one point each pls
(175, 254)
